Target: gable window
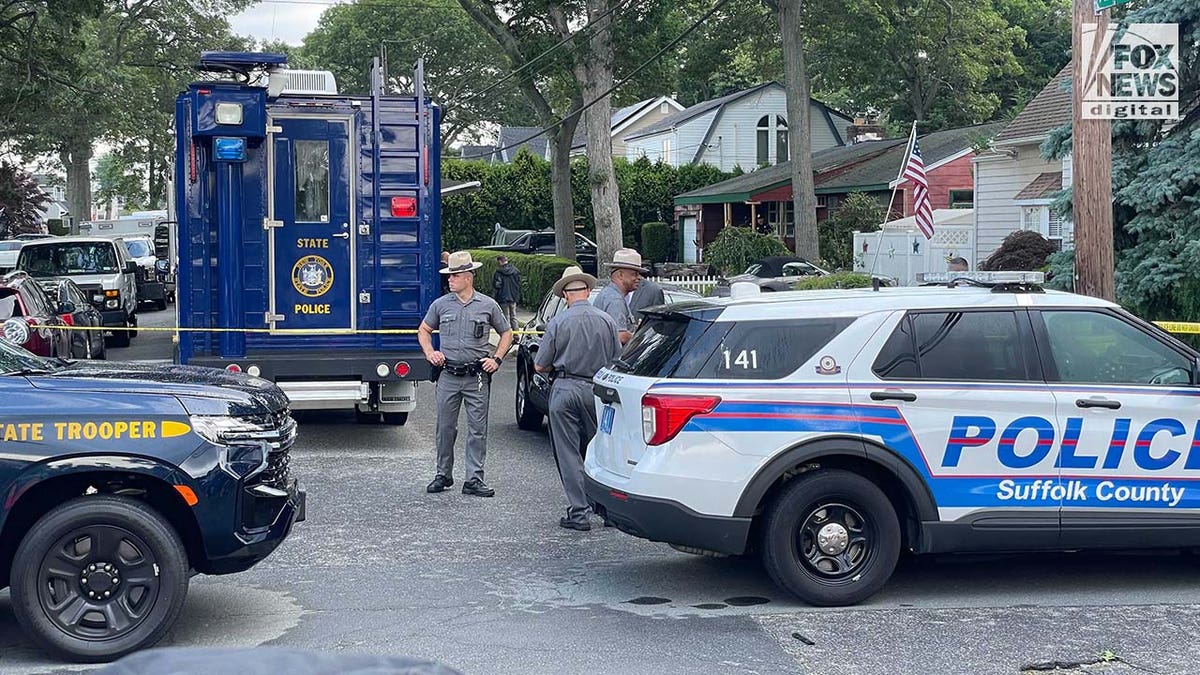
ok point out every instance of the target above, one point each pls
(781, 140)
(962, 199)
(764, 140)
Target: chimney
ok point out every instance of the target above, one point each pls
(866, 127)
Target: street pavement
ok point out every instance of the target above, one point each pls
(495, 586)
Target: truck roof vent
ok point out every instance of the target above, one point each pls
(301, 82)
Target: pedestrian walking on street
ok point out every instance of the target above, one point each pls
(463, 367)
(506, 285)
(578, 342)
(625, 273)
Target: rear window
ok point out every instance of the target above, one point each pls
(680, 347)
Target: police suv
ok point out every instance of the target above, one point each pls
(830, 429)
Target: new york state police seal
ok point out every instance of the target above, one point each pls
(312, 276)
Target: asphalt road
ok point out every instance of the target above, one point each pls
(495, 586)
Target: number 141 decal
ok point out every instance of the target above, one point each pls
(746, 359)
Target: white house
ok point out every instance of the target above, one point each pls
(1014, 186)
(55, 207)
(747, 129)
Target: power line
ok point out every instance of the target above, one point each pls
(645, 64)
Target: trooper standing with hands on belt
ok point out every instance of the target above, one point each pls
(624, 273)
(463, 368)
(578, 342)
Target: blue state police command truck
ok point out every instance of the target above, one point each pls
(308, 229)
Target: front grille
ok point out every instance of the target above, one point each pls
(278, 430)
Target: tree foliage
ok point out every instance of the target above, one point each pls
(1021, 250)
(21, 201)
(858, 212)
(736, 247)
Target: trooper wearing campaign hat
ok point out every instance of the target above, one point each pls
(624, 273)
(463, 366)
(579, 341)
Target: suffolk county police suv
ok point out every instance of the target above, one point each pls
(830, 429)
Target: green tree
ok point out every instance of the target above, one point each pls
(119, 178)
(858, 212)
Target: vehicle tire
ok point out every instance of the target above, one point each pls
(132, 326)
(120, 338)
(160, 305)
(396, 419)
(831, 537)
(131, 552)
(366, 417)
(528, 418)
(101, 355)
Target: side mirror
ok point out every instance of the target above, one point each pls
(67, 307)
(130, 267)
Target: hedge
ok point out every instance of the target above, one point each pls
(538, 273)
(736, 247)
(835, 280)
(658, 240)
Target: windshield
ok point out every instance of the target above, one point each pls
(62, 259)
(11, 245)
(14, 359)
(139, 248)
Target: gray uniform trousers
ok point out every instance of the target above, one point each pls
(572, 426)
(452, 392)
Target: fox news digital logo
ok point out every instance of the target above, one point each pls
(1134, 75)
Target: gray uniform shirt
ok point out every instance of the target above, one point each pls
(611, 301)
(464, 329)
(579, 340)
(648, 294)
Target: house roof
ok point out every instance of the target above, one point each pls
(483, 153)
(515, 138)
(579, 140)
(872, 166)
(1050, 109)
(1045, 186)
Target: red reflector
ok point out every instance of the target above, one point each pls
(204, 92)
(616, 494)
(672, 413)
(68, 319)
(233, 368)
(402, 369)
(404, 207)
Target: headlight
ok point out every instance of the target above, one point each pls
(243, 454)
(16, 331)
(113, 304)
(229, 113)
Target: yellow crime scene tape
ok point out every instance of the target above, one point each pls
(1185, 327)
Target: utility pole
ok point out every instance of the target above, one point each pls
(1091, 177)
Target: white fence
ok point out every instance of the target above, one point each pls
(693, 283)
(902, 254)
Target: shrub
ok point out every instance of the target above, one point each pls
(736, 247)
(858, 212)
(835, 280)
(538, 273)
(658, 242)
(1021, 250)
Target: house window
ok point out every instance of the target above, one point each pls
(764, 139)
(962, 199)
(780, 217)
(1044, 220)
(781, 140)
(663, 108)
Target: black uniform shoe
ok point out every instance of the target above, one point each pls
(477, 488)
(439, 483)
(581, 525)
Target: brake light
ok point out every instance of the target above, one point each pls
(233, 368)
(664, 416)
(404, 207)
(402, 369)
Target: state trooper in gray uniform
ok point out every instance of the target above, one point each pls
(464, 319)
(578, 341)
(625, 273)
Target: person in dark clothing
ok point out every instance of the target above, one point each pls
(506, 287)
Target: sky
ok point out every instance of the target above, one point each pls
(280, 20)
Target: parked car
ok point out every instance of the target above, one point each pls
(543, 243)
(76, 309)
(8, 255)
(150, 289)
(502, 236)
(25, 311)
(774, 273)
(533, 389)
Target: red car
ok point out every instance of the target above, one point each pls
(25, 311)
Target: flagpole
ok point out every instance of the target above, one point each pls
(912, 139)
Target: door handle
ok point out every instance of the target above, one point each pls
(1098, 403)
(893, 396)
(342, 235)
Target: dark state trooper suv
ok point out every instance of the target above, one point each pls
(119, 481)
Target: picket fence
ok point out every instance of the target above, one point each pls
(698, 284)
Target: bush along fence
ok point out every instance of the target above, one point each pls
(538, 273)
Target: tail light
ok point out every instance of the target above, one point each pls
(402, 369)
(233, 368)
(67, 319)
(664, 416)
(404, 207)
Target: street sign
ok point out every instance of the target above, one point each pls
(1108, 4)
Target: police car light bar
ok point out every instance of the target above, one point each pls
(1036, 278)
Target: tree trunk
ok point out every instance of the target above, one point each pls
(595, 77)
(1091, 176)
(804, 196)
(560, 187)
(76, 157)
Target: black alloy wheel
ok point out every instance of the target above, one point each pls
(528, 418)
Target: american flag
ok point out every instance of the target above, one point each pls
(914, 170)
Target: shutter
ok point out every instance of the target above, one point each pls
(1054, 228)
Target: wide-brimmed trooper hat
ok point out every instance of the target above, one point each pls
(573, 276)
(460, 261)
(627, 259)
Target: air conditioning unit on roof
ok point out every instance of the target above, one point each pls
(301, 83)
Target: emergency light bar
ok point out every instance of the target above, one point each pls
(1037, 278)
